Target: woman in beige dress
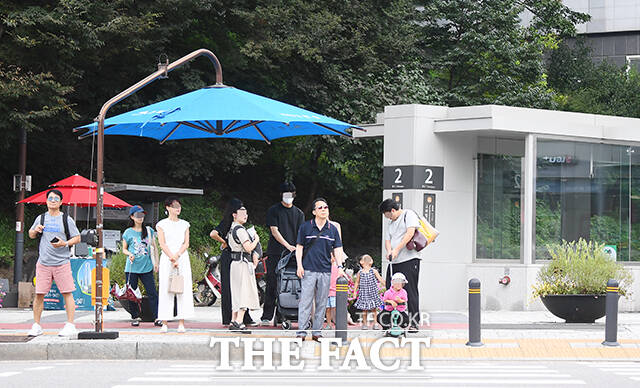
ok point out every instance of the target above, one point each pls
(244, 290)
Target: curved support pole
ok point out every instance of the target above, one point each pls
(100, 156)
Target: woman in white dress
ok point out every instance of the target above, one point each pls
(244, 291)
(173, 235)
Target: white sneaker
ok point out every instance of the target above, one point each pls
(164, 329)
(69, 330)
(35, 331)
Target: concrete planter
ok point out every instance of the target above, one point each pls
(576, 308)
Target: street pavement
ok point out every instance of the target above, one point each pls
(198, 374)
(507, 335)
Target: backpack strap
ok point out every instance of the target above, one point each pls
(65, 222)
(41, 223)
(234, 234)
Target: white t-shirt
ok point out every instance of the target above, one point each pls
(397, 230)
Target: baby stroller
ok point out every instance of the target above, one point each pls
(289, 289)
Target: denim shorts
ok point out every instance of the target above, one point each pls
(331, 302)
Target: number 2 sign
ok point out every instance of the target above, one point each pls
(413, 177)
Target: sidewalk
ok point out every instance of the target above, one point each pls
(505, 334)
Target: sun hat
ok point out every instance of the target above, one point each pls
(399, 277)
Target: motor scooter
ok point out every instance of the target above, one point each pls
(209, 289)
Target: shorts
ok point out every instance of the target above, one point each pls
(60, 273)
(331, 302)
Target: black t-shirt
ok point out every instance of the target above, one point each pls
(288, 221)
(222, 231)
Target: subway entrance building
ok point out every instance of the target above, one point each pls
(500, 183)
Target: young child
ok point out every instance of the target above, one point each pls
(368, 292)
(330, 314)
(395, 298)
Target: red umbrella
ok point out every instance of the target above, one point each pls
(79, 192)
(74, 181)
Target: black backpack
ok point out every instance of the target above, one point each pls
(65, 222)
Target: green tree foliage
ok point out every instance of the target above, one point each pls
(593, 88)
(480, 53)
(61, 60)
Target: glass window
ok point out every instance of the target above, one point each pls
(498, 207)
(583, 191)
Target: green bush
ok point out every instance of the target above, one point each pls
(203, 216)
(579, 268)
(7, 242)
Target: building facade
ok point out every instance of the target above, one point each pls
(500, 183)
(613, 33)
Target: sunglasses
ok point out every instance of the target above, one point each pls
(322, 207)
(138, 215)
(53, 199)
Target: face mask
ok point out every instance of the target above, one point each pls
(287, 198)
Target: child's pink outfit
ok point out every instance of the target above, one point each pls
(334, 279)
(392, 294)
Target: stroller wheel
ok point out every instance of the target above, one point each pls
(286, 325)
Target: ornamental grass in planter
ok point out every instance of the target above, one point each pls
(572, 285)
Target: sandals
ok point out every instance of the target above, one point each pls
(157, 323)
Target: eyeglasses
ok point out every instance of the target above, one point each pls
(176, 206)
(323, 207)
(53, 199)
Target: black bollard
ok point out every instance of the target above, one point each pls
(342, 290)
(474, 313)
(611, 325)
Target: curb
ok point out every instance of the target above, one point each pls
(199, 348)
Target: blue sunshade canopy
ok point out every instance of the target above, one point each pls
(220, 112)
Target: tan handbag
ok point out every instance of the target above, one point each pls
(176, 282)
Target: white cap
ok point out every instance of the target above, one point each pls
(399, 277)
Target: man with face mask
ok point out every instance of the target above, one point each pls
(284, 220)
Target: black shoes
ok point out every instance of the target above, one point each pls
(238, 328)
(250, 322)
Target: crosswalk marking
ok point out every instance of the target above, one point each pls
(433, 375)
(8, 374)
(625, 369)
(170, 379)
(509, 373)
(40, 368)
